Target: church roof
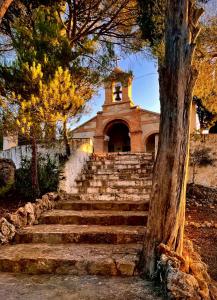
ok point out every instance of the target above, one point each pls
(150, 112)
(83, 124)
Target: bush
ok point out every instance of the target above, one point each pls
(5, 188)
(201, 157)
(48, 175)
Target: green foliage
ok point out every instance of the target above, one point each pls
(48, 173)
(200, 157)
(40, 38)
(5, 188)
(206, 63)
(152, 23)
(151, 20)
(206, 118)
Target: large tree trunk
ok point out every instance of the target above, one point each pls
(4, 4)
(177, 78)
(34, 168)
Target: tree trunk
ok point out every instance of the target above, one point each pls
(34, 168)
(193, 173)
(4, 4)
(66, 142)
(177, 78)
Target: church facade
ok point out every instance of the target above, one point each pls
(121, 126)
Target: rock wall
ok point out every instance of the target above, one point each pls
(205, 175)
(185, 277)
(25, 215)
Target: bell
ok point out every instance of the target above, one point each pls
(118, 93)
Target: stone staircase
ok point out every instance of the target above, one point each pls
(97, 230)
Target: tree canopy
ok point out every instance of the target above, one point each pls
(206, 63)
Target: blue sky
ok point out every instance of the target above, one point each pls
(145, 85)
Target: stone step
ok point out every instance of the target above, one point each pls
(123, 155)
(111, 190)
(94, 234)
(113, 183)
(118, 176)
(74, 259)
(113, 162)
(115, 167)
(98, 172)
(117, 197)
(103, 205)
(94, 217)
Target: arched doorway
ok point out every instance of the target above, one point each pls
(118, 137)
(151, 143)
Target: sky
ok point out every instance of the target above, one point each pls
(145, 88)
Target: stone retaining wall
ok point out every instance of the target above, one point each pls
(26, 215)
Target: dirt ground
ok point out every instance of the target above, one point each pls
(202, 209)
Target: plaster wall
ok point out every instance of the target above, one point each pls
(206, 175)
(83, 135)
(16, 154)
(74, 166)
(148, 129)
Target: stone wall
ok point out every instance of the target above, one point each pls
(205, 175)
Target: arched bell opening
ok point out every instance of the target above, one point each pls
(117, 137)
(117, 92)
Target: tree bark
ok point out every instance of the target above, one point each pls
(66, 142)
(4, 4)
(34, 168)
(177, 78)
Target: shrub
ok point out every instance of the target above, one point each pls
(48, 174)
(201, 157)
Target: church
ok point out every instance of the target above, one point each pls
(122, 126)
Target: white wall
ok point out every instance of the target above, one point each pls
(16, 154)
(74, 166)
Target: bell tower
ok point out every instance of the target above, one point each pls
(118, 88)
